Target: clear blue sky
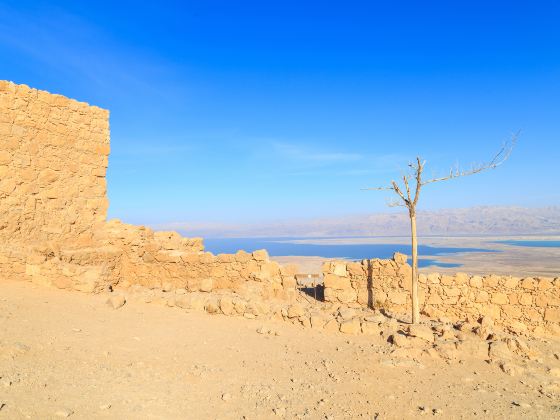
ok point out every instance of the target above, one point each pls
(242, 111)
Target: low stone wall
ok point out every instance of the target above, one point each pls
(135, 255)
(519, 304)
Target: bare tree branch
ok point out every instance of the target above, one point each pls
(498, 159)
(405, 180)
(419, 169)
(399, 192)
(395, 203)
(377, 189)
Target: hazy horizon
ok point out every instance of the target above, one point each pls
(472, 221)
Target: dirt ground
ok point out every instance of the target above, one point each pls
(67, 354)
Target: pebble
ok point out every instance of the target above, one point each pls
(65, 412)
(226, 396)
(279, 411)
(105, 406)
(116, 301)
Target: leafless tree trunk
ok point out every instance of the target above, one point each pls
(408, 200)
(415, 303)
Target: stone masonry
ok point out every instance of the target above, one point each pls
(53, 231)
(53, 209)
(518, 304)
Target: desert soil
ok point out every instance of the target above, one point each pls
(67, 354)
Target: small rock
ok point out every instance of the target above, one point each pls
(554, 372)
(65, 412)
(511, 369)
(279, 411)
(351, 326)
(226, 305)
(375, 318)
(263, 330)
(437, 411)
(116, 301)
(421, 331)
(212, 306)
(347, 313)
(399, 340)
(206, 285)
(105, 406)
(295, 311)
(499, 350)
(226, 397)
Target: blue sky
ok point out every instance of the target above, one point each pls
(252, 111)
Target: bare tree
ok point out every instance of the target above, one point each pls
(409, 200)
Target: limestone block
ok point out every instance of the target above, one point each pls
(552, 314)
(355, 269)
(317, 320)
(447, 281)
(242, 256)
(500, 298)
(511, 282)
(339, 269)
(434, 278)
(452, 292)
(289, 282)
(347, 295)
(400, 258)
(476, 281)
(482, 296)
(206, 285)
(261, 255)
(421, 331)
(528, 283)
(544, 284)
(351, 326)
(335, 282)
(332, 325)
(363, 296)
(398, 298)
(295, 311)
(526, 299)
(512, 311)
(491, 281)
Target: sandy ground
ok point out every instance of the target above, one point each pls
(509, 260)
(70, 354)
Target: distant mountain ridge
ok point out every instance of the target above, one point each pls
(483, 220)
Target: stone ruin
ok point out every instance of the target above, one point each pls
(53, 231)
(518, 304)
(53, 210)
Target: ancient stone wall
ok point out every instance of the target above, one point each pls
(519, 304)
(53, 207)
(53, 157)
